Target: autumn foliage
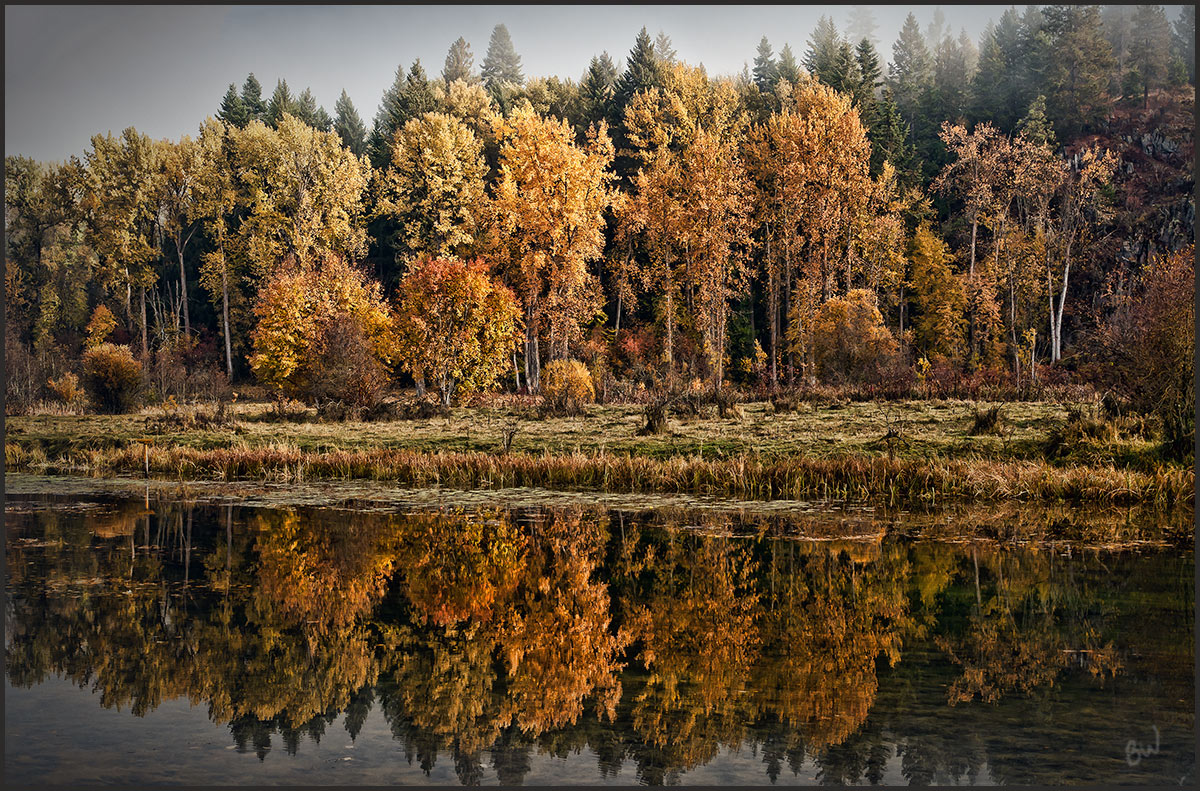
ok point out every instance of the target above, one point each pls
(850, 341)
(455, 326)
(301, 302)
(113, 377)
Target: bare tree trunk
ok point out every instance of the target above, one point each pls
(145, 335)
(669, 348)
(1056, 340)
(225, 322)
(187, 319)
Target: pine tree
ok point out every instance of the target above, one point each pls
(822, 48)
(597, 88)
(281, 102)
(642, 72)
(1183, 40)
(256, 108)
(460, 63)
(308, 112)
(996, 88)
(936, 30)
(349, 125)
(388, 119)
(233, 111)
(502, 64)
(1035, 127)
(663, 50)
(788, 68)
(417, 97)
(861, 25)
(1150, 48)
(890, 141)
(766, 72)
(910, 73)
(1079, 63)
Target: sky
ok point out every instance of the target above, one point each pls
(74, 71)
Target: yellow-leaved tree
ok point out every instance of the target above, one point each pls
(550, 215)
(434, 189)
(455, 325)
(941, 301)
(300, 305)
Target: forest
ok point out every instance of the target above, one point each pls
(1010, 219)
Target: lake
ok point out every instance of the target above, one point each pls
(284, 635)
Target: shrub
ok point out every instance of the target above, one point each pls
(66, 388)
(113, 377)
(850, 341)
(1147, 348)
(566, 387)
(352, 380)
(987, 421)
(295, 307)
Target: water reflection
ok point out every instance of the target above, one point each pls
(488, 637)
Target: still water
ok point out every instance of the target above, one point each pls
(167, 639)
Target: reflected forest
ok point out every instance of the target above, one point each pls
(487, 637)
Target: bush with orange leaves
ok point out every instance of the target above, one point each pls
(297, 306)
(850, 342)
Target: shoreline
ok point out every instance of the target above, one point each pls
(877, 480)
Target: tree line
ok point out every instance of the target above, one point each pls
(811, 219)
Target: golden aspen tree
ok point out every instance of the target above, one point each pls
(454, 325)
(550, 205)
(714, 229)
(119, 201)
(434, 188)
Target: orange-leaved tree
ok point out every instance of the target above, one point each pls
(455, 325)
(298, 303)
(550, 203)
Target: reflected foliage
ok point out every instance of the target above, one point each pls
(485, 638)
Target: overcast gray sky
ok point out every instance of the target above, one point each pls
(73, 71)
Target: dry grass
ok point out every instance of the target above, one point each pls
(825, 450)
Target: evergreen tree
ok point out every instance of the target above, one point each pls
(663, 50)
(642, 72)
(1183, 40)
(597, 88)
(890, 141)
(1078, 67)
(460, 63)
(822, 48)
(1035, 126)
(1115, 20)
(256, 108)
(841, 73)
(233, 111)
(861, 25)
(910, 72)
(952, 72)
(787, 67)
(308, 112)
(502, 64)
(936, 30)
(1150, 48)
(417, 97)
(766, 72)
(390, 117)
(281, 102)
(997, 93)
(349, 125)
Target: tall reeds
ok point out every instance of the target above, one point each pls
(746, 476)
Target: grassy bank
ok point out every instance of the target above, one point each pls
(838, 450)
